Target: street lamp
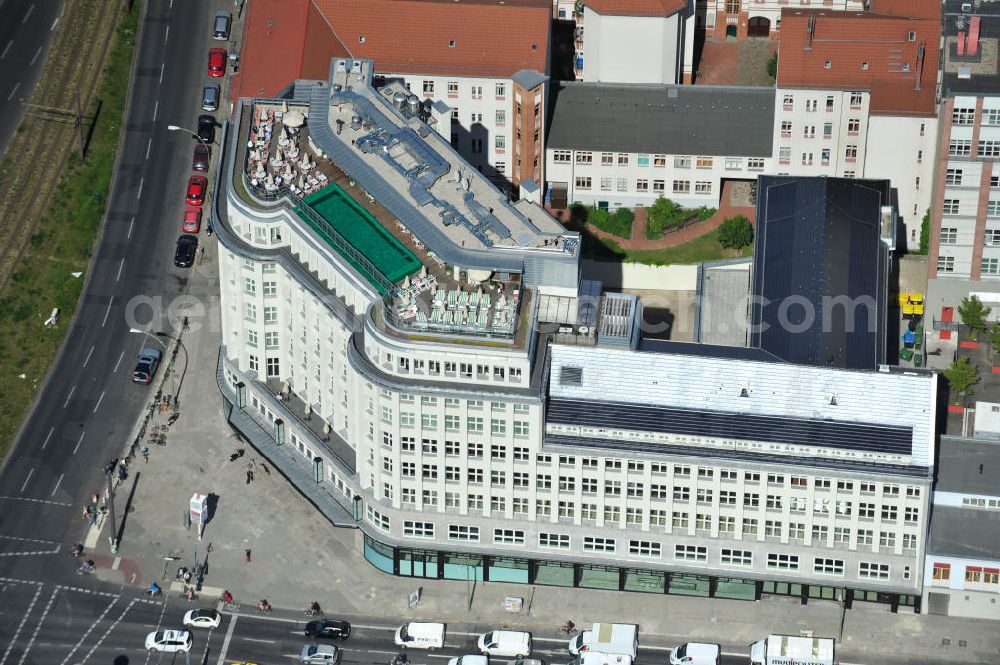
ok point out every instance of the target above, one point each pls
(173, 376)
(178, 128)
(110, 473)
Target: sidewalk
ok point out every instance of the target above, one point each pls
(297, 557)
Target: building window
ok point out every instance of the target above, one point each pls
(702, 187)
(583, 182)
(508, 537)
(477, 92)
(989, 266)
(642, 185)
(942, 571)
(682, 162)
(828, 566)
(784, 155)
(554, 540)
(736, 557)
(873, 571)
(463, 532)
(989, 148)
(755, 164)
(428, 87)
(991, 237)
(621, 184)
(959, 147)
(993, 208)
(605, 184)
(561, 156)
(963, 116)
(953, 177)
(853, 127)
(991, 116)
(946, 264)
(851, 153)
(704, 162)
(584, 158)
(477, 146)
(623, 159)
(414, 529)
(950, 207)
(783, 561)
(690, 553)
(788, 103)
(681, 186)
(660, 160)
(642, 160)
(501, 90)
(809, 131)
(856, 100)
(594, 544)
(273, 367)
(452, 88)
(645, 548)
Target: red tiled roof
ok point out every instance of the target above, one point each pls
(415, 36)
(271, 57)
(636, 7)
(910, 8)
(846, 40)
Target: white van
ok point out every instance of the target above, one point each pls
(470, 660)
(695, 653)
(420, 636)
(505, 643)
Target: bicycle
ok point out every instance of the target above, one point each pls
(568, 628)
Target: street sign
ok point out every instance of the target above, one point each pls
(414, 598)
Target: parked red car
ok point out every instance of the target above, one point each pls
(196, 190)
(192, 220)
(217, 62)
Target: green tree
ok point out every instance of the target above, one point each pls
(772, 65)
(925, 233)
(962, 375)
(973, 313)
(995, 339)
(736, 233)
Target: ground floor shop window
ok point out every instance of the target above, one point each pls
(554, 574)
(735, 588)
(644, 580)
(418, 563)
(504, 569)
(599, 577)
(689, 585)
(379, 555)
(463, 567)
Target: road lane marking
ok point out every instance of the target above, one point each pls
(16, 86)
(86, 634)
(71, 391)
(108, 311)
(79, 441)
(20, 626)
(149, 146)
(89, 353)
(118, 363)
(120, 266)
(55, 23)
(58, 482)
(166, 35)
(225, 642)
(49, 436)
(26, 480)
(6, 48)
(139, 193)
(98, 405)
(162, 66)
(156, 107)
(257, 639)
(37, 53)
(130, 225)
(30, 9)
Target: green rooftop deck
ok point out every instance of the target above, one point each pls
(363, 233)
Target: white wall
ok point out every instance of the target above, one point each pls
(630, 195)
(639, 276)
(902, 150)
(630, 49)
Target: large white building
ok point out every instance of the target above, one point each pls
(421, 358)
(613, 146)
(636, 41)
(744, 19)
(855, 97)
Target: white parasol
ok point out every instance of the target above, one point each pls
(293, 119)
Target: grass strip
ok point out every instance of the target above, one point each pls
(62, 245)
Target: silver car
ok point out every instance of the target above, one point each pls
(210, 97)
(319, 654)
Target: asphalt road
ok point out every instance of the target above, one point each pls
(89, 405)
(26, 31)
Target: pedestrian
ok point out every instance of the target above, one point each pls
(145, 453)
(248, 556)
(249, 476)
(253, 464)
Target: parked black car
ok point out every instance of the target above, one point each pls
(338, 630)
(187, 246)
(206, 128)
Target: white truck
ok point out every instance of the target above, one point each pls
(790, 650)
(598, 658)
(616, 639)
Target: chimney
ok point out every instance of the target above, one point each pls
(920, 65)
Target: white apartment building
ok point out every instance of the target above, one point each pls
(433, 380)
(636, 42)
(613, 146)
(852, 103)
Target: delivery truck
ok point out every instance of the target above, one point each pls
(610, 638)
(791, 650)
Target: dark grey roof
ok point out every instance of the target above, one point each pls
(964, 532)
(799, 431)
(982, 78)
(529, 78)
(819, 238)
(669, 119)
(707, 350)
(958, 466)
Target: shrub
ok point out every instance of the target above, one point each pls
(736, 233)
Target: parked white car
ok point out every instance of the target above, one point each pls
(170, 641)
